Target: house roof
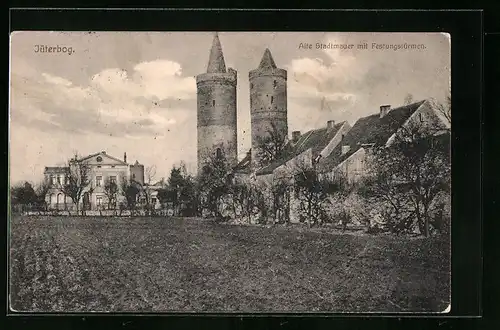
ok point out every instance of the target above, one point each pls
(316, 139)
(369, 130)
(103, 153)
(244, 165)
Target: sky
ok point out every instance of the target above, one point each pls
(135, 92)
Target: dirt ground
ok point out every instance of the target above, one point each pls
(171, 264)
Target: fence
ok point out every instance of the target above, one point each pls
(100, 213)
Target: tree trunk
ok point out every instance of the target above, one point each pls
(426, 221)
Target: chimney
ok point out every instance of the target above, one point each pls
(124, 157)
(345, 149)
(384, 109)
(295, 136)
(330, 124)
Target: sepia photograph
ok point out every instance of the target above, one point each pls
(229, 172)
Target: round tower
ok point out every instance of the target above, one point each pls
(268, 103)
(217, 108)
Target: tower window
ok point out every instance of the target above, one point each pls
(272, 99)
(213, 103)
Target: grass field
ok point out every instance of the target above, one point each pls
(168, 264)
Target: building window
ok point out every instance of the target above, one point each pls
(153, 200)
(342, 138)
(421, 117)
(98, 181)
(112, 179)
(98, 166)
(272, 99)
(98, 200)
(99, 159)
(213, 103)
(133, 175)
(275, 84)
(53, 179)
(218, 153)
(112, 166)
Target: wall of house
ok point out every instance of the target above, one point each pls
(56, 199)
(299, 162)
(352, 169)
(336, 140)
(425, 117)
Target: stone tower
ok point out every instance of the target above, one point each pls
(217, 108)
(268, 102)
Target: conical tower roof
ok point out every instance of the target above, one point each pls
(216, 62)
(267, 61)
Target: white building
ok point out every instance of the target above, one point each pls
(102, 168)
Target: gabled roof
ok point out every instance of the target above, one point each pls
(316, 140)
(216, 62)
(102, 153)
(369, 130)
(267, 61)
(244, 165)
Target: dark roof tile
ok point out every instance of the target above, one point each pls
(316, 139)
(368, 130)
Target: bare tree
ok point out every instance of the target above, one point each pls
(111, 192)
(214, 182)
(280, 193)
(41, 190)
(445, 110)
(130, 190)
(380, 189)
(313, 191)
(77, 181)
(408, 99)
(411, 173)
(246, 199)
(150, 173)
(272, 146)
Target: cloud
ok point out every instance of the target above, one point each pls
(155, 80)
(56, 80)
(113, 103)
